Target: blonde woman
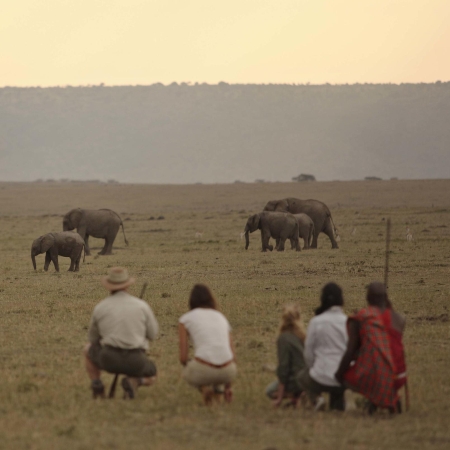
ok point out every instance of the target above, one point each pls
(290, 343)
(213, 368)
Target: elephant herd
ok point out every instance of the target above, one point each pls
(99, 223)
(289, 218)
(292, 218)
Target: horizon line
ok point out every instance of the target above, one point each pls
(222, 83)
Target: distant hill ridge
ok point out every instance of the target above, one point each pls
(221, 133)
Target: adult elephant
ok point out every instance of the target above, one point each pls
(279, 226)
(99, 223)
(67, 243)
(318, 211)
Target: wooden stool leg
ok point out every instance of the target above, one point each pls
(112, 389)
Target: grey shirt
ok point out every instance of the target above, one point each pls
(124, 321)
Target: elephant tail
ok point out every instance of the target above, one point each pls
(121, 223)
(123, 230)
(84, 252)
(334, 226)
(311, 234)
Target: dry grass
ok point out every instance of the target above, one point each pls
(44, 398)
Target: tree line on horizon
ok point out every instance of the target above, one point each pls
(188, 133)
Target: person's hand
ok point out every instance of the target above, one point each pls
(277, 402)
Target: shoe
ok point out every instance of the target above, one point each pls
(320, 404)
(371, 408)
(128, 389)
(98, 389)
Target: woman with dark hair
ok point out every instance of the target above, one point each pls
(213, 368)
(326, 342)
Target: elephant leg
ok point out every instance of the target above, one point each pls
(103, 250)
(107, 248)
(110, 244)
(86, 244)
(280, 246)
(265, 237)
(77, 260)
(315, 236)
(54, 257)
(297, 245)
(330, 233)
(73, 258)
(306, 242)
(48, 260)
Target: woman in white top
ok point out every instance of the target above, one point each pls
(213, 365)
(326, 342)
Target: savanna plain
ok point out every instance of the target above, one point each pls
(45, 401)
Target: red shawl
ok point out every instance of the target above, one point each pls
(373, 373)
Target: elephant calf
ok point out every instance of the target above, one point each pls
(66, 243)
(305, 230)
(280, 226)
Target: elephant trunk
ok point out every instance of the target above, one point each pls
(247, 238)
(33, 259)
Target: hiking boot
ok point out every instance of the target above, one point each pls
(128, 388)
(98, 389)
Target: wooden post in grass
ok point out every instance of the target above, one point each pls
(386, 279)
(386, 262)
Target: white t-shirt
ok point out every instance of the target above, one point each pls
(210, 333)
(326, 343)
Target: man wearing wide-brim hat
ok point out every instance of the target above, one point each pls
(120, 328)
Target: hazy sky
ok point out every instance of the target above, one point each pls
(80, 42)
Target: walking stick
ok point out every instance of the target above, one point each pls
(388, 242)
(112, 389)
(386, 279)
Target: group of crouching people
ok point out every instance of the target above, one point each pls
(363, 352)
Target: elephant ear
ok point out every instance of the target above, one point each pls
(46, 242)
(75, 217)
(282, 205)
(255, 221)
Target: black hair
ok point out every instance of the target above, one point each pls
(331, 296)
(201, 297)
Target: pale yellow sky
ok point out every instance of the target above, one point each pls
(80, 42)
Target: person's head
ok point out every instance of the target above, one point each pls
(291, 320)
(201, 297)
(331, 296)
(377, 295)
(117, 279)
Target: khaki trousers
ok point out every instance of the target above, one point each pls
(198, 374)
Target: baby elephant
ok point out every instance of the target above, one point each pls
(305, 230)
(66, 243)
(278, 225)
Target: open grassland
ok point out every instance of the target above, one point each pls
(44, 395)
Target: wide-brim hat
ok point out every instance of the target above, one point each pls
(117, 279)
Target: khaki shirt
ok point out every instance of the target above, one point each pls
(123, 321)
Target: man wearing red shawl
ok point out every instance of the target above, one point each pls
(368, 365)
